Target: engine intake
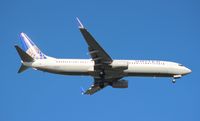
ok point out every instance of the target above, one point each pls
(120, 84)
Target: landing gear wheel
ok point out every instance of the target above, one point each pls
(102, 74)
(174, 81)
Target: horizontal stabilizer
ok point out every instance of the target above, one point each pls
(23, 55)
(22, 68)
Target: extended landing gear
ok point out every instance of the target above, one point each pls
(102, 74)
(173, 81)
(102, 81)
(175, 77)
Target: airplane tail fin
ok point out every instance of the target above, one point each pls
(29, 53)
(30, 48)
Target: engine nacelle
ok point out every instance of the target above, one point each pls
(120, 84)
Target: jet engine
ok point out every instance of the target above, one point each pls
(120, 84)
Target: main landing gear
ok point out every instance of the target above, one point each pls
(102, 76)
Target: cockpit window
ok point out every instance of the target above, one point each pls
(180, 64)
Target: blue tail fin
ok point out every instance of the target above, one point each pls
(30, 48)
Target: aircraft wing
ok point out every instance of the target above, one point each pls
(104, 75)
(96, 86)
(93, 89)
(98, 54)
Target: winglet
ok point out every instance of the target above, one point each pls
(82, 91)
(79, 22)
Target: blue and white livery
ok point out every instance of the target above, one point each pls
(30, 48)
(104, 70)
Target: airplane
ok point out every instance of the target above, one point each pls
(104, 70)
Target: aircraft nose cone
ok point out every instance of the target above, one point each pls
(187, 70)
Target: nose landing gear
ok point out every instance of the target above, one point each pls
(173, 81)
(176, 77)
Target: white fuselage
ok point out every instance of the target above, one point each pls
(134, 67)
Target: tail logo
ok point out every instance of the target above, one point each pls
(30, 48)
